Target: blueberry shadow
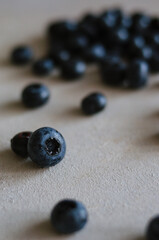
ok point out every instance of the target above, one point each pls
(5, 62)
(14, 164)
(41, 230)
(139, 238)
(12, 107)
(152, 140)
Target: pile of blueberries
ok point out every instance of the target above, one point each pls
(124, 47)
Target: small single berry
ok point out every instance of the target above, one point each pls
(73, 69)
(21, 55)
(19, 143)
(46, 147)
(69, 216)
(43, 67)
(137, 74)
(35, 95)
(93, 103)
(152, 232)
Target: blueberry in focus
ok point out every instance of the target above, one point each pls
(73, 69)
(152, 232)
(137, 74)
(43, 67)
(46, 147)
(35, 95)
(19, 143)
(69, 216)
(113, 72)
(21, 55)
(94, 53)
(93, 103)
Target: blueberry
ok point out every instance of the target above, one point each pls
(137, 74)
(144, 53)
(73, 69)
(153, 39)
(43, 67)
(77, 42)
(154, 26)
(141, 22)
(136, 43)
(124, 21)
(35, 95)
(94, 53)
(89, 26)
(152, 232)
(93, 103)
(107, 21)
(19, 143)
(46, 147)
(59, 56)
(113, 72)
(21, 55)
(118, 37)
(154, 62)
(61, 29)
(69, 216)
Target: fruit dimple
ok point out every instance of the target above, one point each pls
(53, 147)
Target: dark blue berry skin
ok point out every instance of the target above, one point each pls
(43, 67)
(69, 216)
(89, 26)
(19, 143)
(154, 25)
(35, 95)
(61, 29)
(21, 55)
(152, 38)
(141, 23)
(144, 53)
(107, 21)
(73, 69)
(110, 59)
(46, 147)
(154, 62)
(93, 103)
(136, 43)
(113, 72)
(152, 232)
(59, 56)
(118, 37)
(124, 21)
(94, 53)
(77, 42)
(137, 74)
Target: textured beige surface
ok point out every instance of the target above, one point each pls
(112, 160)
